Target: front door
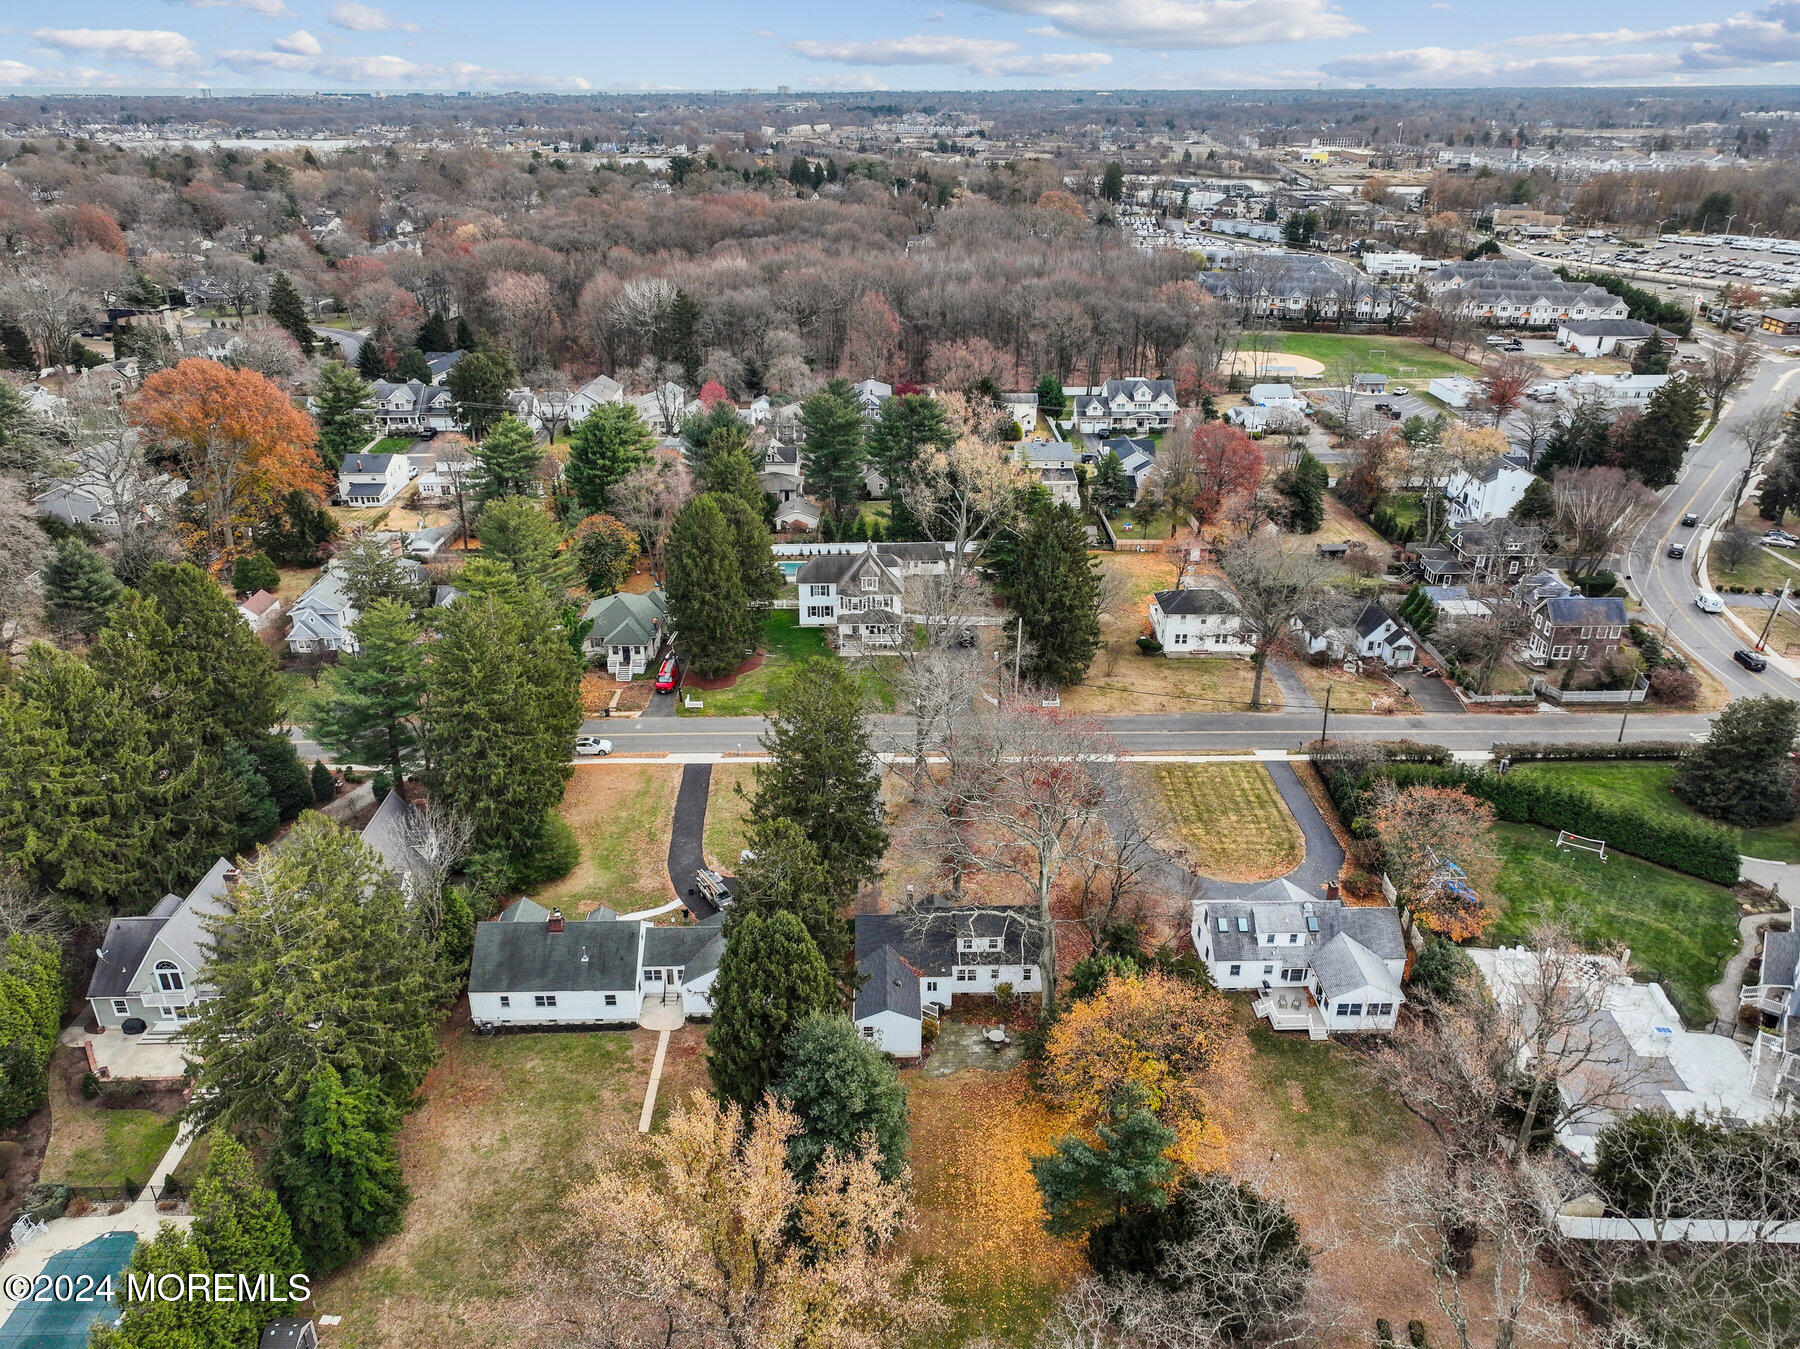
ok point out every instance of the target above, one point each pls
(671, 982)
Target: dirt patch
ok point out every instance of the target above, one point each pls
(622, 814)
(689, 681)
(1256, 365)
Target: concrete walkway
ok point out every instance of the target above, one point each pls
(665, 1018)
(1784, 881)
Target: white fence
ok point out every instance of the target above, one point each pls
(1710, 1231)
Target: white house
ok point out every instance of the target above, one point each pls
(1391, 264)
(914, 964)
(1274, 395)
(1062, 483)
(372, 479)
(781, 475)
(530, 968)
(1601, 337)
(1206, 621)
(870, 393)
(1457, 391)
(1137, 456)
(412, 406)
(600, 390)
(149, 968)
(1622, 390)
(628, 631)
(1320, 966)
(259, 610)
(323, 618)
(1373, 635)
(1491, 491)
(1022, 408)
(1775, 1052)
(1126, 406)
(858, 594)
(108, 489)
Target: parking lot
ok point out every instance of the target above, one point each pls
(1687, 266)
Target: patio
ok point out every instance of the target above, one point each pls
(119, 1056)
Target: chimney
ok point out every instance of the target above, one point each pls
(1331, 892)
(555, 921)
(232, 873)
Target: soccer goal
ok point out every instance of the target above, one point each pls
(1564, 839)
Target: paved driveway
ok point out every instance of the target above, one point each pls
(1432, 695)
(687, 851)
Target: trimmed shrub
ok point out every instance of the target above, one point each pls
(1600, 583)
(1149, 645)
(1538, 751)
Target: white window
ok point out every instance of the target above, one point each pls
(1025, 975)
(993, 974)
(1181, 639)
(1271, 939)
(870, 580)
(993, 943)
(1559, 653)
(968, 943)
(818, 592)
(868, 1032)
(121, 1007)
(1268, 969)
(1293, 937)
(168, 976)
(931, 985)
(818, 611)
(965, 975)
(544, 999)
(505, 1001)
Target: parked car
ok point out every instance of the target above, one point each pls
(1398, 390)
(429, 433)
(593, 745)
(1750, 660)
(1677, 550)
(1384, 407)
(1513, 346)
(1708, 603)
(1774, 540)
(1690, 519)
(1495, 340)
(666, 676)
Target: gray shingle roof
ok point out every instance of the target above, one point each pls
(840, 568)
(1581, 611)
(1199, 600)
(1781, 954)
(1281, 906)
(628, 620)
(524, 956)
(1344, 965)
(366, 463)
(696, 949)
(927, 939)
(889, 985)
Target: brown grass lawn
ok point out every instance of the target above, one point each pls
(92, 1146)
(727, 814)
(979, 1220)
(509, 1126)
(1370, 691)
(622, 813)
(1340, 527)
(1229, 818)
(1142, 574)
(1134, 682)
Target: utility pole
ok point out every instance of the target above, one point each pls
(1622, 720)
(1769, 622)
(1018, 654)
(1325, 724)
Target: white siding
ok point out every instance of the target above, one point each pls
(895, 1034)
(571, 1008)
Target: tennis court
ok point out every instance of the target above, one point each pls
(64, 1325)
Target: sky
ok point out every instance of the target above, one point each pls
(889, 44)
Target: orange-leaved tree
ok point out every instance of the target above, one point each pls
(1437, 847)
(239, 441)
(1164, 1037)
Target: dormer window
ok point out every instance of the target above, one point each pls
(168, 976)
(870, 580)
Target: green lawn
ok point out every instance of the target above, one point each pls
(1125, 526)
(392, 445)
(1647, 787)
(300, 696)
(785, 643)
(130, 1144)
(1680, 930)
(1761, 568)
(1396, 357)
(1320, 1095)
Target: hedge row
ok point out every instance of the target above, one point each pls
(1709, 851)
(1529, 751)
(1394, 751)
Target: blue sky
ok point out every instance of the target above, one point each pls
(889, 44)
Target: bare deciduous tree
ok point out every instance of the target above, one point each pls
(1597, 510)
(1275, 586)
(1758, 434)
(1724, 368)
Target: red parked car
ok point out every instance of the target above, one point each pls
(666, 676)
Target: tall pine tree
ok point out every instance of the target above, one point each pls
(79, 587)
(343, 406)
(707, 605)
(337, 1170)
(784, 874)
(478, 385)
(411, 364)
(758, 576)
(509, 455)
(239, 1226)
(834, 445)
(1056, 594)
(770, 979)
(822, 772)
(908, 424)
(370, 709)
(604, 447)
(238, 692)
(289, 310)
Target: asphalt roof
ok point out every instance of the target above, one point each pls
(889, 985)
(1586, 611)
(1197, 600)
(926, 937)
(523, 956)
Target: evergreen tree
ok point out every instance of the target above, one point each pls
(1744, 773)
(605, 548)
(716, 430)
(1112, 181)
(343, 408)
(1538, 504)
(337, 1170)
(770, 979)
(31, 1002)
(324, 902)
(78, 585)
(908, 424)
(278, 764)
(758, 576)
(604, 447)
(509, 455)
(1057, 597)
(730, 474)
(324, 783)
(1083, 1185)
(1657, 441)
(155, 1322)
(300, 530)
(1651, 357)
(289, 310)
(785, 874)
(1051, 400)
(411, 364)
(676, 337)
(823, 774)
(371, 360)
(255, 815)
(834, 445)
(1304, 487)
(238, 692)
(434, 333)
(1112, 485)
(520, 533)
(253, 572)
(372, 699)
(707, 606)
(465, 336)
(501, 710)
(239, 1226)
(478, 385)
(370, 570)
(845, 1091)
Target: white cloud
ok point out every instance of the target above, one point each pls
(300, 42)
(390, 71)
(17, 73)
(269, 9)
(1448, 9)
(1048, 30)
(360, 18)
(157, 48)
(936, 16)
(988, 57)
(1747, 40)
(1188, 24)
(1436, 67)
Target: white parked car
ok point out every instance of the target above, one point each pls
(1773, 540)
(1708, 603)
(593, 744)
